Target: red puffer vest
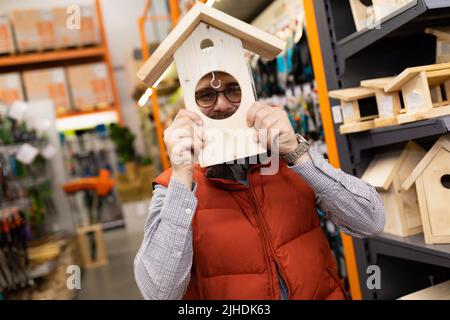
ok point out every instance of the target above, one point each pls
(242, 234)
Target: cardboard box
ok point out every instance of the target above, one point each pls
(6, 35)
(69, 34)
(90, 86)
(34, 29)
(89, 31)
(10, 88)
(46, 84)
(65, 36)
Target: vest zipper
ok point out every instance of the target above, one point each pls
(265, 234)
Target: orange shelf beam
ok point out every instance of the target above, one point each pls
(330, 138)
(49, 56)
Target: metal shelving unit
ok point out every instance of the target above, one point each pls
(407, 264)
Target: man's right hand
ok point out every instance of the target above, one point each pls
(183, 139)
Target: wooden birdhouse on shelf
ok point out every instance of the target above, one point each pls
(425, 91)
(207, 42)
(387, 172)
(388, 104)
(353, 100)
(431, 177)
(442, 43)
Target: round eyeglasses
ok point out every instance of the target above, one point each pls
(206, 98)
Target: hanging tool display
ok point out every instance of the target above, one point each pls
(14, 235)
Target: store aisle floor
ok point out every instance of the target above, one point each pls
(116, 280)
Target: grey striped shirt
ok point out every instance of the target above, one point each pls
(163, 263)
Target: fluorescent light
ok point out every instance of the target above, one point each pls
(147, 94)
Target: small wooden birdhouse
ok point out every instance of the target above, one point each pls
(352, 101)
(387, 172)
(442, 43)
(388, 104)
(425, 91)
(432, 180)
(208, 41)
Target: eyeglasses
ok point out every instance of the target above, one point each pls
(207, 98)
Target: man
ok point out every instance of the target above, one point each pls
(230, 232)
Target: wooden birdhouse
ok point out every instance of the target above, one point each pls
(425, 91)
(352, 101)
(388, 104)
(431, 177)
(207, 41)
(442, 43)
(387, 172)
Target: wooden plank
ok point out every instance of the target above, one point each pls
(409, 73)
(442, 142)
(437, 292)
(378, 83)
(442, 33)
(356, 127)
(385, 122)
(427, 114)
(252, 39)
(381, 169)
(351, 94)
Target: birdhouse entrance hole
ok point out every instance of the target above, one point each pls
(445, 180)
(207, 43)
(218, 95)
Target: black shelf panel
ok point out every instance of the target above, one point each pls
(397, 134)
(411, 19)
(438, 254)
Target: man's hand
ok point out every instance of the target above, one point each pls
(183, 144)
(272, 120)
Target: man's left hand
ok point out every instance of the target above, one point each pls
(272, 120)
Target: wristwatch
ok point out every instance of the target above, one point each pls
(303, 146)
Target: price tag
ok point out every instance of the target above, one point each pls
(347, 111)
(17, 110)
(48, 152)
(386, 106)
(57, 76)
(337, 115)
(100, 71)
(414, 101)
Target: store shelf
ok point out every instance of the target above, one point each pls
(410, 17)
(51, 56)
(411, 248)
(396, 134)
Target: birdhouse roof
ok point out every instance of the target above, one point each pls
(253, 39)
(351, 94)
(378, 83)
(384, 166)
(442, 143)
(432, 71)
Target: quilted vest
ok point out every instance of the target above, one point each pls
(243, 234)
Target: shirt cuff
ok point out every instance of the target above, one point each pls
(313, 172)
(180, 204)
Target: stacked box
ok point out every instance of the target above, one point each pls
(46, 84)
(89, 31)
(90, 86)
(10, 88)
(6, 36)
(34, 29)
(67, 35)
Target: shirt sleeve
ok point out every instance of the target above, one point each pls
(352, 204)
(162, 266)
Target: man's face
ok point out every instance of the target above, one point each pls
(221, 102)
